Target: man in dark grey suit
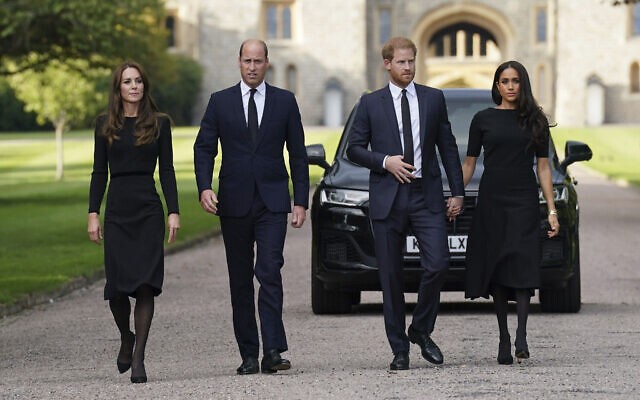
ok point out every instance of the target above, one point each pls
(253, 122)
(403, 123)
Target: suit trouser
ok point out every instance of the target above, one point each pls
(267, 230)
(409, 210)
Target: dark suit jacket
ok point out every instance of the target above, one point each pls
(246, 166)
(376, 124)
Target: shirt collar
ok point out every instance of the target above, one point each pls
(244, 88)
(396, 91)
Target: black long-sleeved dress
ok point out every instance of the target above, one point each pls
(134, 227)
(504, 241)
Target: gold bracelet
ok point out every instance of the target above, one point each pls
(553, 212)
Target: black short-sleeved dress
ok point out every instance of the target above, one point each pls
(504, 241)
(134, 227)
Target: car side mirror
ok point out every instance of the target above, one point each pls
(575, 151)
(317, 156)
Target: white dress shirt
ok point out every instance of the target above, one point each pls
(412, 97)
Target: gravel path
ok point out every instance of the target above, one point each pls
(67, 349)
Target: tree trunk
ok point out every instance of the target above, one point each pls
(59, 125)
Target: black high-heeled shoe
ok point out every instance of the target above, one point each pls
(504, 352)
(522, 350)
(124, 366)
(139, 378)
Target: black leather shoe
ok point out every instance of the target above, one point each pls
(430, 350)
(141, 374)
(522, 349)
(400, 361)
(272, 362)
(249, 366)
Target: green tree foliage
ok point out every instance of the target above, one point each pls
(177, 94)
(102, 32)
(12, 114)
(61, 93)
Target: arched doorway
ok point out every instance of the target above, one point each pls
(460, 46)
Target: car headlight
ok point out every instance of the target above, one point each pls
(344, 197)
(560, 193)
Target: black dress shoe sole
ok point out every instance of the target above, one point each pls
(398, 367)
(275, 368)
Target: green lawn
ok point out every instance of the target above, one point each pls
(616, 149)
(44, 241)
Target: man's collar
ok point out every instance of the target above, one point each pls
(244, 88)
(396, 91)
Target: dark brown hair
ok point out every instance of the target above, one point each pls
(146, 128)
(530, 113)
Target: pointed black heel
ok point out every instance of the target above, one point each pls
(124, 366)
(142, 378)
(522, 350)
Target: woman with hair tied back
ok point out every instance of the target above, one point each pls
(503, 256)
(130, 138)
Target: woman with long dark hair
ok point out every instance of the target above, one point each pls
(130, 138)
(503, 255)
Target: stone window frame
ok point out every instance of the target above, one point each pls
(536, 9)
(280, 7)
(292, 79)
(634, 78)
(634, 21)
(542, 90)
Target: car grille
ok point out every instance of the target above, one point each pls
(338, 248)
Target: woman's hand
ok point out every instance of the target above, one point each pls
(93, 228)
(555, 225)
(173, 221)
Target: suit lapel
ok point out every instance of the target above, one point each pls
(390, 112)
(266, 112)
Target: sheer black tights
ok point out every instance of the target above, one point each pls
(523, 300)
(142, 314)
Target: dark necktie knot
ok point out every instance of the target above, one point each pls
(407, 134)
(252, 116)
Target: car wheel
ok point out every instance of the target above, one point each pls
(328, 301)
(566, 299)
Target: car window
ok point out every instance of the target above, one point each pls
(461, 112)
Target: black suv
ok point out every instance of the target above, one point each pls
(343, 261)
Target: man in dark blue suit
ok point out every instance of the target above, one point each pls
(394, 134)
(253, 122)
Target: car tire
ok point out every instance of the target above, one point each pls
(328, 301)
(566, 299)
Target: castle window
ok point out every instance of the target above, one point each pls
(541, 25)
(384, 25)
(170, 23)
(461, 40)
(634, 78)
(278, 19)
(635, 20)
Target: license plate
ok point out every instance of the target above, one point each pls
(457, 244)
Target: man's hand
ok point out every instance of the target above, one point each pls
(402, 171)
(454, 207)
(298, 216)
(209, 201)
